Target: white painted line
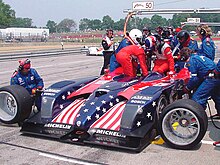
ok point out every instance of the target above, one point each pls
(207, 142)
(66, 159)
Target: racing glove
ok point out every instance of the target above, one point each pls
(33, 91)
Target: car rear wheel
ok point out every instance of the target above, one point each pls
(183, 124)
(15, 104)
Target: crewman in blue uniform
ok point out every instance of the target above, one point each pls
(217, 143)
(204, 78)
(28, 78)
(193, 45)
(207, 47)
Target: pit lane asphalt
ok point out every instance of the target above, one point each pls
(16, 148)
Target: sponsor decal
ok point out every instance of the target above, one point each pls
(49, 94)
(52, 90)
(140, 97)
(109, 133)
(21, 82)
(55, 125)
(138, 101)
(107, 139)
(56, 132)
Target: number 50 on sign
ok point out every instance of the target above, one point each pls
(142, 5)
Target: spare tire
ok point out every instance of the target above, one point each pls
(15, 104)
(183, 124)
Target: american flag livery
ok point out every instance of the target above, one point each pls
(111, 119)
(68, 115)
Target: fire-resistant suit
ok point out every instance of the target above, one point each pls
(207, 48)
(203, 80)
(113, 62)
(164, 61)
(30, 81)
(126, 57)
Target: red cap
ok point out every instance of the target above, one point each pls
(25, 63)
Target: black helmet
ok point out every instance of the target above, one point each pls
(183, 37)
(165, 34)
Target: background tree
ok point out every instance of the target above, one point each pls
(157, 20)
(66, 25)
(107, 22)
(119, 24)
(84, 24)
(146, 22)
(52, 26)
(22, 22)
(95, 24)
(7, 15)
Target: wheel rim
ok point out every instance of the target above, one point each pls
(162, 103)
(180, 126)
(8, 106)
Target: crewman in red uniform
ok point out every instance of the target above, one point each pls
(164, 60)
(129, 57)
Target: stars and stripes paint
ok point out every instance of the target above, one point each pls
(69, 114)
(111, 119)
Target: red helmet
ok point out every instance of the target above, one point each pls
(24, 64)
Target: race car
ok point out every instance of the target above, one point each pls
(111, 110)
(94, 51)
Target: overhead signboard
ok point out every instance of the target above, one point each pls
(193, 20)
(142, 5)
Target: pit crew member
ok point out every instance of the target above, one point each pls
(133, 38)
(129, 57)
(204, 79)
(146, 32)
(108, 46)
(28, 78)
(164, 60)
(217, 143)
(193, 45)
(207, 47)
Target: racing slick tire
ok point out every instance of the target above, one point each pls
(15, 104)
(183, 124)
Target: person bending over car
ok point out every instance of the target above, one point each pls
(204, 79)
(129, 57)
(133, 38)
(164, 62)
(28, 78)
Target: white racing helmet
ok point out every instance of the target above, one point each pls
(136, 35)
